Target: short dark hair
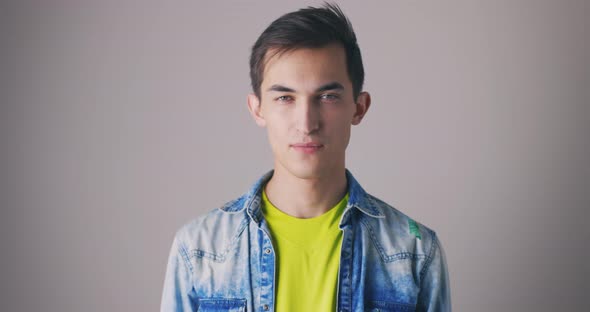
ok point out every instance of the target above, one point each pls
(308, 28)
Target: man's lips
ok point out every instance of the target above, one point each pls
(307, 145)
(307, 148)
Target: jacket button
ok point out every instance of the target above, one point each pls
(265, 307)
(267, 251)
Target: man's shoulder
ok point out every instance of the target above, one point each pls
(396, 234)
(207, 235)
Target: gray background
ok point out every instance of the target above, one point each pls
(122, 121)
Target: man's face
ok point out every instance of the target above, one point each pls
(306, 98)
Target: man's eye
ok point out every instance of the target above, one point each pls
(284, 98)
(329, 97)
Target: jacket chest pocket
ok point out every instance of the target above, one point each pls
(388, 306)
(221, 304)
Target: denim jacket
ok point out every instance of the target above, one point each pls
(225, 260)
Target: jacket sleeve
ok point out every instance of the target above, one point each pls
(435, 293)
(178, 287)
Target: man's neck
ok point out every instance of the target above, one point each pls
(305, 198)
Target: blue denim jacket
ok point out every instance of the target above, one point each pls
(225, 260)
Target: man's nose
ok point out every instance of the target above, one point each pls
(308, 116)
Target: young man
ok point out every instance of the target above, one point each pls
(306, 236)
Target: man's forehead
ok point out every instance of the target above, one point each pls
(274, 54)
(312, 66)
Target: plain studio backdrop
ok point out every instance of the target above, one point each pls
(122, 121)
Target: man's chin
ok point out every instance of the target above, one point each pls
(307, 172)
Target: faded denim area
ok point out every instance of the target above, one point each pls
(225, 260)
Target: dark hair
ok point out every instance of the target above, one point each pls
(308, 28)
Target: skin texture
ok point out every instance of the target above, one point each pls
(296, 107)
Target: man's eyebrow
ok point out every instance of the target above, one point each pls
(280, 88)
(329, 86)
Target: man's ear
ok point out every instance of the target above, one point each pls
(362, 104)
(256, 110)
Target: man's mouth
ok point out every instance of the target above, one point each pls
(308, 148)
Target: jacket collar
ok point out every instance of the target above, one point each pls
(357, 198)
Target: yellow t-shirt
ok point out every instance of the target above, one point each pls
(308, 255)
